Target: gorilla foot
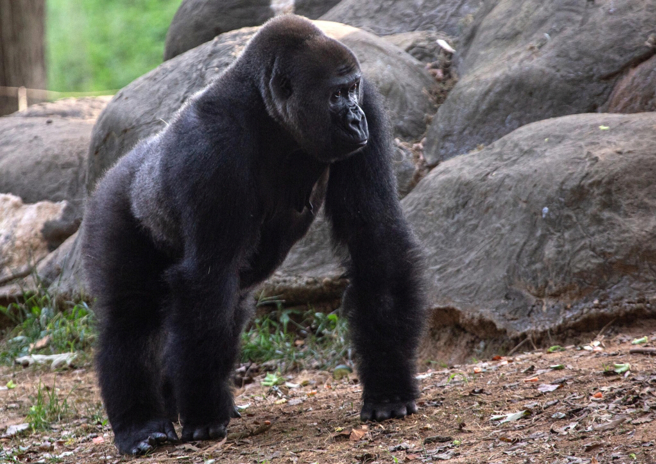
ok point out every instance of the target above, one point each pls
(143, 439)
(383, 411)
(204, 432)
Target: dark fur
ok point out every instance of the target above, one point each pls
(186, 224)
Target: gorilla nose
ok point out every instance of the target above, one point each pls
(355, 117)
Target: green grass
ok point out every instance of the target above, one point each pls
(69, 327)
(300, 338)
(46, 408)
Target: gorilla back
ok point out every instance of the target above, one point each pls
(186, 224)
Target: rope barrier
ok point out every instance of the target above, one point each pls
(22, 94)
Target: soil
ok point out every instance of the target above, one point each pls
(576, 410)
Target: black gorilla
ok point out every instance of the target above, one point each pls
(192, 219)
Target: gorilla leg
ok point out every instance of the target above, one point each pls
(128, 275)
(202, 348)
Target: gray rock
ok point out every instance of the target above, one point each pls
(142, 108)
(420, 44)
(313, 9)
(635, 92)
(384, 17)
(28, 232)
(44, 158)
(550, 228)
(523, 61)
(199, 21)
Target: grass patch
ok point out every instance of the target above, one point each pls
(301, 338)
(41, 326)
(47, 408)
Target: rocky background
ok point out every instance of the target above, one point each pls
(526, 159)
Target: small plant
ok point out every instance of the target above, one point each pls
(297, 337)
(40, 326)
(457, 374)
(272, 379)
(46, 408)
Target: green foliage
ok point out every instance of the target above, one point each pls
(46, 408)
(95, 45)
(69, 328)
(300, 338)
(272, 379)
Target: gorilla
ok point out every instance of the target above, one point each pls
(180, 231)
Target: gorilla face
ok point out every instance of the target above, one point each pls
(350, 132)
(316, 94)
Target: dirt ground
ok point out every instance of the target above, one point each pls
(574, 408)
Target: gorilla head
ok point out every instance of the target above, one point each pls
(311, 86)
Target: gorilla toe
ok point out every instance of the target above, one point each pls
(204, 432)
(383, 411)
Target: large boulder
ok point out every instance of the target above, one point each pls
(384, 17)
(143, 108)
(199, 21)
(28, 233)
(552, 227)
(527, 60)
(313, 9)
(635, 92)
(43, 150)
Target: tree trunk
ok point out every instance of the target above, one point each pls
(22, 50)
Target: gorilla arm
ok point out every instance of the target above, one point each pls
(384, 300)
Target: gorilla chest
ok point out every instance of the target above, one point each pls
(289, 212)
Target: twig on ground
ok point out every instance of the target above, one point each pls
(518, 346)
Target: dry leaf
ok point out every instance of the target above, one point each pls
(98, 440)
(547, 387)
(358, 434)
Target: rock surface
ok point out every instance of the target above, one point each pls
(420, 44)
(552, 227)
(199, 21)
(636, 91)
(384, 17)
(43, 150)
(313, 9)
(523, 61)
(142, 108)
(23, 240)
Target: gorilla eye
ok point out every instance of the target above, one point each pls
(335, 96)
(354, 87)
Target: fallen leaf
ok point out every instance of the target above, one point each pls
(358, 434)
(598, 395)
(39, 344)
(553, 349)
(14, 430)
(548, 387)
(98, 440)
(510, 417)
(532, 379)
(591, 446)
(412, 457)
(609, 425)
(622, 368)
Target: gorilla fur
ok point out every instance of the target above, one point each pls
(180, 231)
